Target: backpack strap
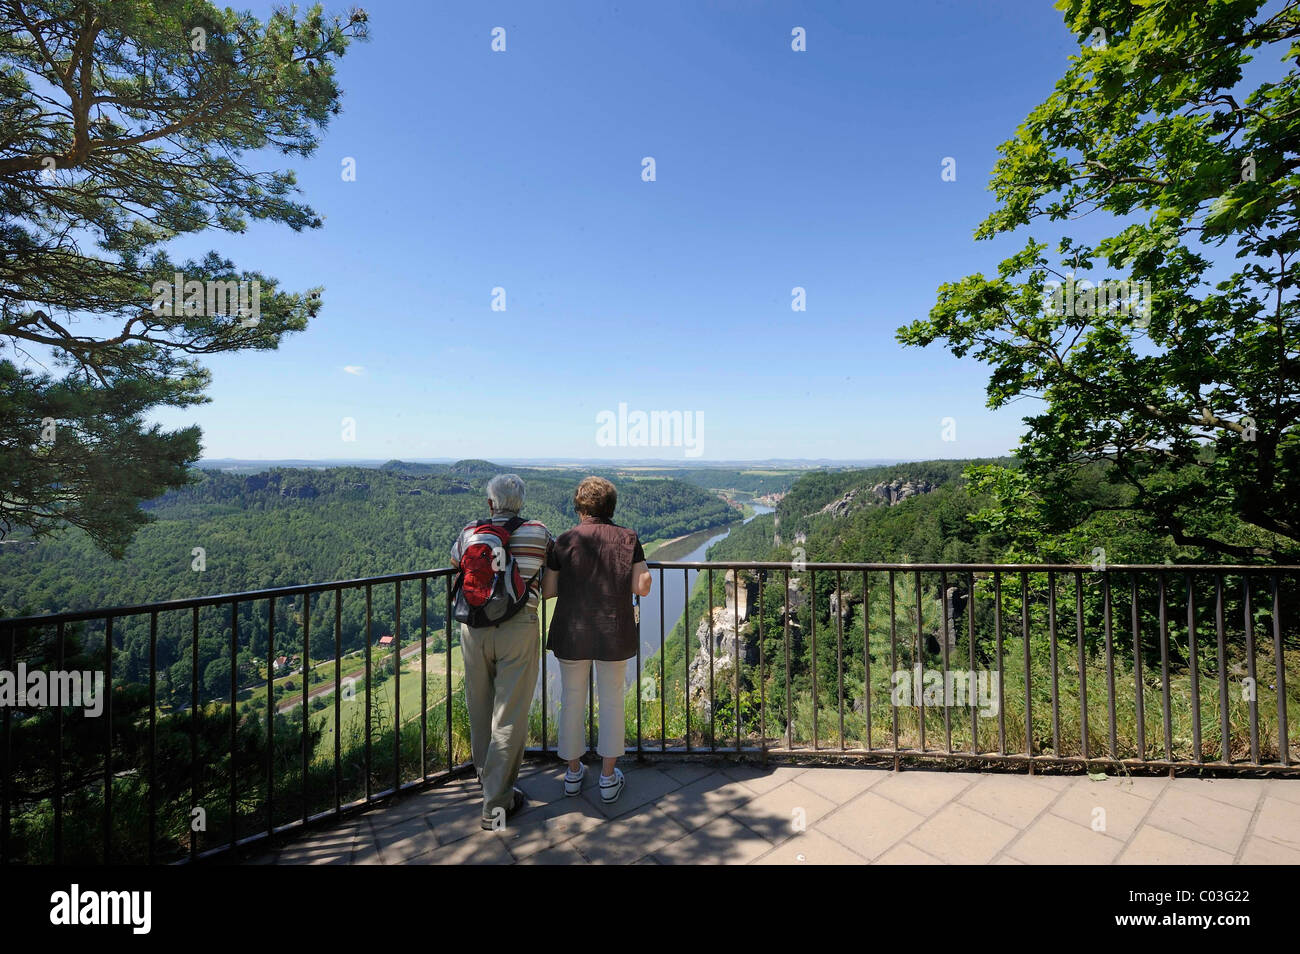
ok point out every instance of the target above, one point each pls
(511, 525)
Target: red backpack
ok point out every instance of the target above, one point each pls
(489, 588)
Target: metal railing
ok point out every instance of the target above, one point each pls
(829, 660)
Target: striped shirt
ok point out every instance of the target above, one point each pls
(530, 545)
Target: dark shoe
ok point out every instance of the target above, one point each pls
(516, 805)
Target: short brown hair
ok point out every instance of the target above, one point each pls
(595, 497)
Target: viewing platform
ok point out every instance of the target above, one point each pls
(798, 713)
(717, 812)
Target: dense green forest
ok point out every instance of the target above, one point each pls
(289, 526)
(292, 526)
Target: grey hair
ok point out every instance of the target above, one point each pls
(506, 491)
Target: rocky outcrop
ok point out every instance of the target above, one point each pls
(898, 490)
(305, 492)
(888, 492)
(842, 507)
(741, 598)
(846, 610)
(718, 642)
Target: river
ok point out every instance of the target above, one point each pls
(691, 549)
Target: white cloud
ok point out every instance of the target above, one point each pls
(354, 369)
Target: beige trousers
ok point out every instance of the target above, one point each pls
(500, 676)
(575, 675)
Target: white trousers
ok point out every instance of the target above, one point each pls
(575, 676)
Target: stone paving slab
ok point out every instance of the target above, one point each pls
(720, 812)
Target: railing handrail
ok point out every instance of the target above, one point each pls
(217, 599)
(221, 598)
(982, 567)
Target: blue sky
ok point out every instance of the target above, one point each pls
(522, 170)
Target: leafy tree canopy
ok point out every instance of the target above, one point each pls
(123, 125)
(1181, 385)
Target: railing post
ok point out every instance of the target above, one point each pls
(1083, 666)
(839, 649)
(424, 677)
(1110, 662)
(195, 768)
(1253, 702)
(762, 675)
(153, 734)
(369, 637)
(450, 745)
(639, 753)
(234, 721)
(789, 711)
(997, 634)
(812, 629)
(58, 729)
(270, 716)
(663, 676)
(713, 696)
(397, 685)
(1225, 732)
(541, 600)
(1279, 662)
(108, 739)
(866, 654)
(1194, 660)
(7, 767)
(306, 693)
(338, 699)
(970, 650)
(686, 648)
(735, 608)
(1024, 638)
(1138, 685)
(1164, 669)
(944, 623)
(1052, 649)
(893, 656)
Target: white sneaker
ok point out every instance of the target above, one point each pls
(611, 787)
(572, 782)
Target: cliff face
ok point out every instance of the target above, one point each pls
(896, 491)
(717, 639)
(887, 492)
(720, 636)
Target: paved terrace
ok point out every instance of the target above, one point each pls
(731, 813)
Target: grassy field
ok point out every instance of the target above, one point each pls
(352, 713)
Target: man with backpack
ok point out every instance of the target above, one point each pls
(500, 562)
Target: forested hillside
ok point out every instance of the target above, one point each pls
(920, 512)
(288, 526)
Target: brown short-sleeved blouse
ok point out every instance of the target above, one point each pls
(593, 616)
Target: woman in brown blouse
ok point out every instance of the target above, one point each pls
(594, 569)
